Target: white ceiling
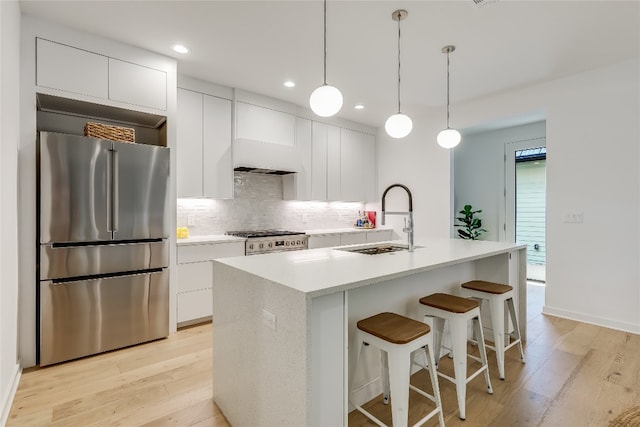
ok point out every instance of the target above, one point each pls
(257, 45)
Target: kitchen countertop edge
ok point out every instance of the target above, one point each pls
(209, 240)
(340, 282)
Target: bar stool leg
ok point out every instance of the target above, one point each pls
(459, 348)
(384, 363)
(438, 332)
(433, 374)
(477, 326)
(497, 320)
(516, 326)
(399, 387)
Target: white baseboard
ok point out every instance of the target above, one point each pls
(594, 320)
(6, 405)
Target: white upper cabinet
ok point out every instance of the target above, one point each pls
(334, 175)
(357, 166)
(138, 85)
(343, 164)
(189, 146)
(319, 162)
(325, 159)
(297, 186)
(92, 75)
(217, 167)
(73, 70)
(204, 146)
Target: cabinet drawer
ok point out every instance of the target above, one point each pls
(195, 276)
(73, 70)
(196, 253)
(194, 305)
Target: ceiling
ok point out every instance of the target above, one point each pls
(257, 45)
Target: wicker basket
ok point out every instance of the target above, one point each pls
(113, 133)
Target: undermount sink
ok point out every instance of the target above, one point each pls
(375, 250)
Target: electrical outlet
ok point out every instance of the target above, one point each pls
(191, 220)
(269, 319)
(574, 217)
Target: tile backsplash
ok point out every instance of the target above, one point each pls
(258, 205)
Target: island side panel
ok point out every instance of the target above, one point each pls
(328, 347)
(260, 374)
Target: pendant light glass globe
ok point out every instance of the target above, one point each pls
(326, 100)
(398, 126)
(449, 138)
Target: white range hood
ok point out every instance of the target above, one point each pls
(265, 134)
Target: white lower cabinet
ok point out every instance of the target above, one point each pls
(374, 236)
(195, 305)
(349, 238)
(353, 238)
(324, 240)
(195, 278)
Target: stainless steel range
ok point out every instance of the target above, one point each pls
(267, 241)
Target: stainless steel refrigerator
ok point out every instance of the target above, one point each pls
(103, 255)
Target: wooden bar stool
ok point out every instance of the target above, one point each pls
(458, 311)
(497, 295)
(397, 337)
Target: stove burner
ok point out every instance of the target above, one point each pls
(262, 233)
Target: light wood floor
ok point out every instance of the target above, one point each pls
(576, 375)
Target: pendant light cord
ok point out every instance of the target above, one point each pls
(399, 65)
(447, 90)
(325, 42)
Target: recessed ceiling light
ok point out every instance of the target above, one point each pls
(359, 107)
(289, 83)
(180, 48)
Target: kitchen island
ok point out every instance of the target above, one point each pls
(284, 322)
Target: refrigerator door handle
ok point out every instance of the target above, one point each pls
(109, 193)
(84, 279)
(116, 191)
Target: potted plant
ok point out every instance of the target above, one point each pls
(471, 227)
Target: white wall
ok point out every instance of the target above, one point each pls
(9, 137)
(418, 162)
(593, 167)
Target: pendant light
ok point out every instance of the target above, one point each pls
(448, 138)
(326, 100)
(398, 125)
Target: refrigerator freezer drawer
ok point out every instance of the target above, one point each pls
(80, 318)
(72, 261)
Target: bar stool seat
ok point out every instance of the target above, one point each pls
(497, 295)
(458, 311)
(397, 337)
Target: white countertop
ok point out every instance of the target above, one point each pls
(210, 239)
(323, 271)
